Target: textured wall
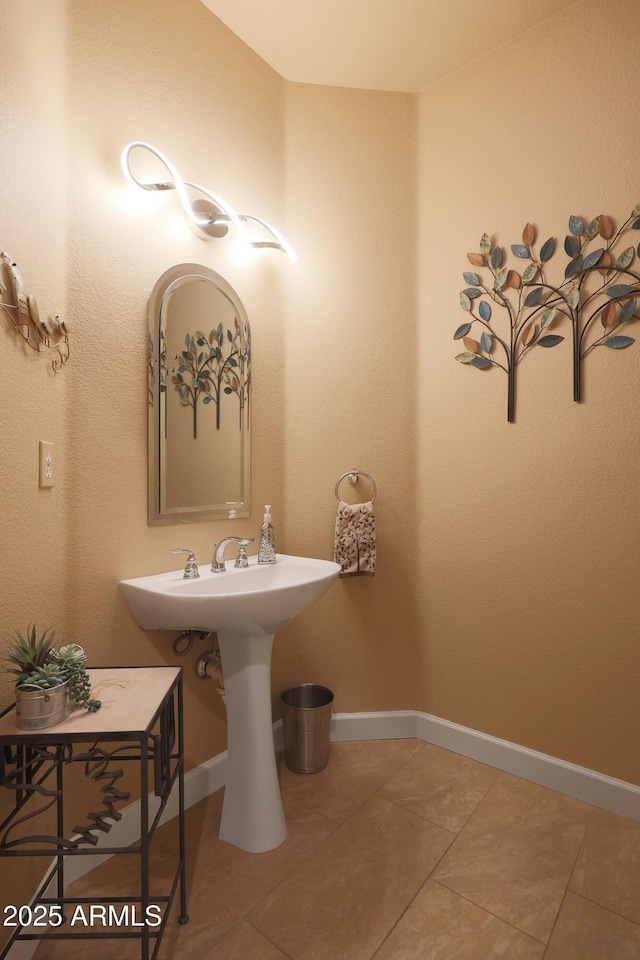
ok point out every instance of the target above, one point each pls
(33, 400)
(78, 82)
(192, 89)
(529, 545)
(350, 384)
(506, 597)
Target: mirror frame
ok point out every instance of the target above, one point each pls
(156, 517)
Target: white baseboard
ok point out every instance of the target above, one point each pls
(382, 725)
(617, 796)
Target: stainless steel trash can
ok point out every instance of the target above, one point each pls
(306, 723)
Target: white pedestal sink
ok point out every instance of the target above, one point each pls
(245, 608)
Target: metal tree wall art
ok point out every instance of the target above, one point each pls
(42, 336)
(162, 367)
(204, 371)
(599, 286)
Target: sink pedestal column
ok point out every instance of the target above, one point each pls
(252, 814)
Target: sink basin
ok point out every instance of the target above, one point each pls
(261, 598)
(244, 608)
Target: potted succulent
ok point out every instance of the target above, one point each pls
(50, 681)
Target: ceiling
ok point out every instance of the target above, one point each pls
(378, 44)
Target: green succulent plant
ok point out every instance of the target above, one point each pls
(45, 677)
(70, 661)
(36, 661)
(26, 653)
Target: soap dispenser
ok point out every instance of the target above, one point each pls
(267, 543)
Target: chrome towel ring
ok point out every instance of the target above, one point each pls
(353, 478)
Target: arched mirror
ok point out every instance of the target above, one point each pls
(199, 398)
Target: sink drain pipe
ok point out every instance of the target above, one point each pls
(209, 663)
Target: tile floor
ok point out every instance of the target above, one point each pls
(399, 850)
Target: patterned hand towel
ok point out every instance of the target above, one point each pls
(355, 539)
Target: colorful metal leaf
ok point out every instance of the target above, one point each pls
(573, 267)
(606, 227)
(533, 297)
(530, 273)
(608, 315)
(636, 224)
(500, 280)
(472, 345)
(572, 297)
(514, 279)
(472, 292)
(625, 259)
(496, 258)
(619, 290)
(481, 363)
(529, 333)
(485, 243)
(477, 259)
(592, 258)
(486, 342)
(547, 250)
(619, 343)
(484, 309)
(550, 340)
(472, 278)
(592, 229)
(571, 246)
(548, 317)
(627, 310)
(465, 357)
(520, 251)
(465, 303)
(605, 263)
(576, 226)
(529, 235)
(462, 331)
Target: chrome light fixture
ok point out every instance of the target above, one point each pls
(208, 215)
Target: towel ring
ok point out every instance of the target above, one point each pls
(353, 478)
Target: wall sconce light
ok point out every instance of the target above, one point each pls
(208, 215)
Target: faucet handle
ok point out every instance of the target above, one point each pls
(191, 569)
(242, 560)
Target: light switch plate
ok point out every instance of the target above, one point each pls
(46, 463)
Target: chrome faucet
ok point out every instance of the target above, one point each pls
(217, 564)
(191, 569)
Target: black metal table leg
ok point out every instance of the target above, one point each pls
(184, 916)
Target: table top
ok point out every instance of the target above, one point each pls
(131, 698)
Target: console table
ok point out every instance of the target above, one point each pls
(140, 721)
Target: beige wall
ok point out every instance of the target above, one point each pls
(34, 402)
(506, 597)
(350, 384)
(188, 86)
(529, 548)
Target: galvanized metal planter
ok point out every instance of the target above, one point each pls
(37, 708)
